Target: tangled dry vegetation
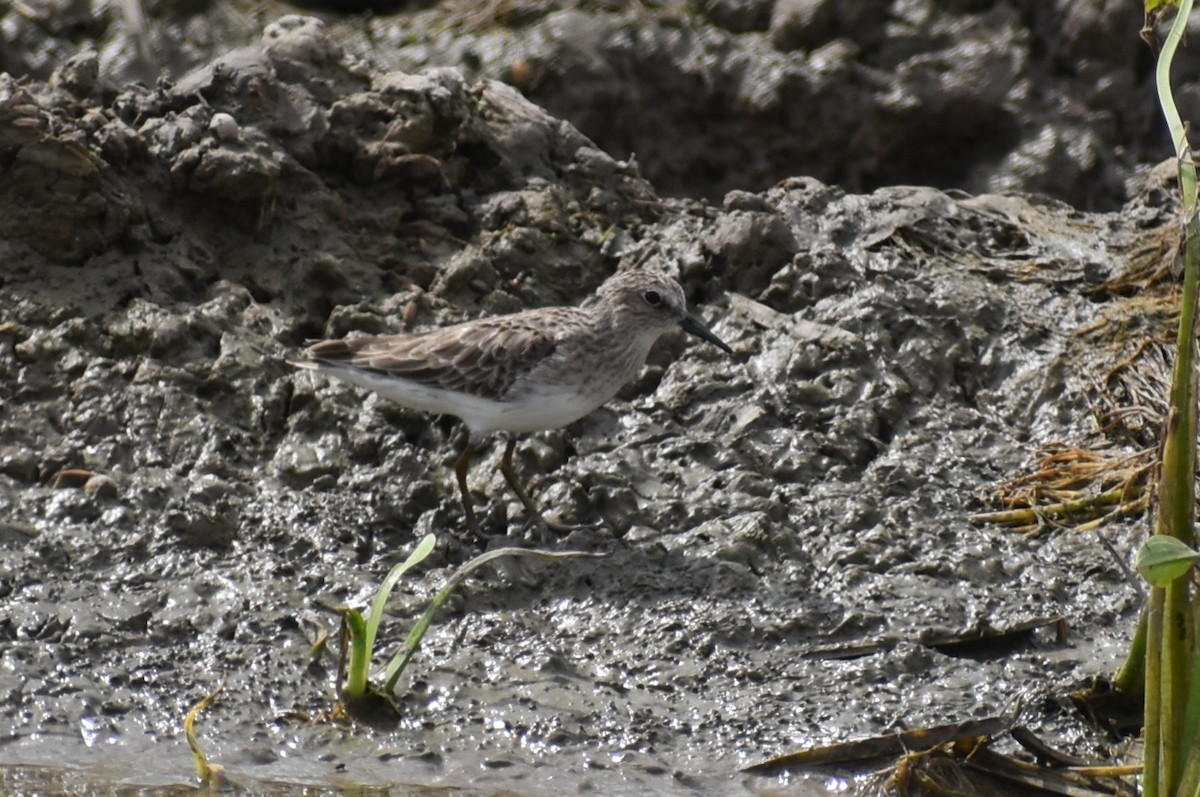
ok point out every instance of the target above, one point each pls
(1111, 474)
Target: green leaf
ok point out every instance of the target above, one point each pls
(424, 548)
(363, 632)
(396, 666)
(1152, 5)
(1163, 558)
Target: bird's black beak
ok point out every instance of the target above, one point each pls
(694, 327)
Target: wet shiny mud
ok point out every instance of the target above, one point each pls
(178, 502)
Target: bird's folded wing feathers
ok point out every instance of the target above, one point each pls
(482, 359)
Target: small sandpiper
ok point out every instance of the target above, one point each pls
(526, 372)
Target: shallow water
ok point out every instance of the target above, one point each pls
(35, 781)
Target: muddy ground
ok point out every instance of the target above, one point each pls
(1050, 96)
(177, 502)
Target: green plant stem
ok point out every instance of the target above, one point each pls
(1177, 486)
(1152, 738)
(1176, 666)
(1166, 99)
(1183, 611)
(359, 660)
(1189, 783)
(1131, 678)
(1170, 636)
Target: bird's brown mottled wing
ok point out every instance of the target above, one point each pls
(482, 357)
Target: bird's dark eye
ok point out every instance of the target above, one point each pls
(653, 298)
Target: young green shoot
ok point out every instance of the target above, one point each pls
(361, 633)
(364, 632)
(400, 661)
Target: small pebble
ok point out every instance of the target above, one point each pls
(101, 486)
(224, 127)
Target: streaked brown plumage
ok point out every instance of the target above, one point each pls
(529, 371)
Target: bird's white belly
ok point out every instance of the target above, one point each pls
(549, 410)
(533, 412)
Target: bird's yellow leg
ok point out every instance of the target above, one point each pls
(533, 510)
